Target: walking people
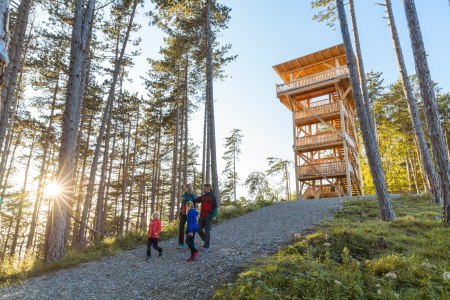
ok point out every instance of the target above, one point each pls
(208, 211)
(154, 230)
(187, 196)
(192, 227)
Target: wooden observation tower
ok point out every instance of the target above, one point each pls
(317, 90)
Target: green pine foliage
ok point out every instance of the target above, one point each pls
(357, 256)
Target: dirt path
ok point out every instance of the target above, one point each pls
(234, 244)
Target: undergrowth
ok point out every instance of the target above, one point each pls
(13, 271)
(357, 256)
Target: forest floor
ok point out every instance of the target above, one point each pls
(234, 244)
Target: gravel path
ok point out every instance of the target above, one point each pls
(234, 243)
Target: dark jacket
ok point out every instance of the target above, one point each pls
(209, 205)
(192, 221)
(186, 199)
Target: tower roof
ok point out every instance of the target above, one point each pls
(312, 63)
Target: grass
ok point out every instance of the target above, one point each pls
(13, 271)
(357, 256)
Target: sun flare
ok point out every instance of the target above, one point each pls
(52, 189)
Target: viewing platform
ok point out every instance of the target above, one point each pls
(316, 80)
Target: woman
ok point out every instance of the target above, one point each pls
(188, 195)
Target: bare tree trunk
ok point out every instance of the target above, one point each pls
(155, 166)
(133, 165)
(101, 204)
(205, 146)
(108, 184)
(8, 172)
(425, 157)
(43, 169)
(174, 163)
(369, 139)
(80, 44)
(360, 65)
(186, 123)
(210, 100)
(76, 228)
(435, 132)
(15, 49)
(22, 200)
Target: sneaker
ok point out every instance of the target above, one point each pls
(205, 250)
(149, 257)
(193, 257)
(161, 254)
(181, 246)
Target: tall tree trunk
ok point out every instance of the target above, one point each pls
(133, 165)
(210, 100)
(205, 158)
(80, 44)
(234, 171)
(22, 200)
(110, 168)
(43, 169)
(124, 174)
(174, 163)
(101, 204)
(435, 132)
(370, 143)
(360, 65)
(186, 122)
(155, 166)
(16, 46)
(76, 228)
(425, 157)
(8, 172)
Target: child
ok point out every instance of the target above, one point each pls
(207, 214)
(188, 195)
(153, 235)
(191, 229)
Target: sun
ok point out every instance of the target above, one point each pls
(52, 189)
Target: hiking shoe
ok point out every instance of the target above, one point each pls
(193, 257)
(181, 246)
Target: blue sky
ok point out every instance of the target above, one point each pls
(265, 33)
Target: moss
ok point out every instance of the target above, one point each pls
(356, 256)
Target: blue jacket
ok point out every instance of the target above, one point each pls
(192, 221)
(186, 199)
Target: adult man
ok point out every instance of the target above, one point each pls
(208, 212)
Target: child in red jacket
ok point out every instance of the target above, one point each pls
(153, 235)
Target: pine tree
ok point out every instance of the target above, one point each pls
(231, 156)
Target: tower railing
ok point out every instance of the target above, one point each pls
(321, 138)
(318, 110)
(325, 169)
(312, 79)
